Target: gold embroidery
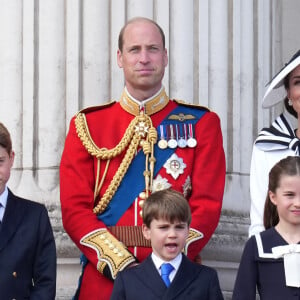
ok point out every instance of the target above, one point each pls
(181, 117)
(194, 235)
(109, 250)
(151, 106)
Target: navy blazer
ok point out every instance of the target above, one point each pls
(192, 281)
(27, 251)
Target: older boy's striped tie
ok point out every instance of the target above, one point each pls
(166, 269)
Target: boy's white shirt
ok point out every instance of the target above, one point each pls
(3, 202)
(174, 262)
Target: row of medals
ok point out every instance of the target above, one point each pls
(176, 135)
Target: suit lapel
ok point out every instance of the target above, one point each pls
(148, 273)
(186, 273)
(12, 217)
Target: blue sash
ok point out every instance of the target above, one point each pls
(134, 182)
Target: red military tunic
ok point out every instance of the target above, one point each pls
(201, 179)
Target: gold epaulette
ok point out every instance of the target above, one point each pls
(97, 107)
(184, 103)
(194, 235)
(110, 251)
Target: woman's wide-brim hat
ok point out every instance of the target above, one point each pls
(276, 91)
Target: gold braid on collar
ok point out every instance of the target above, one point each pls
(140, 132)
(151, 105)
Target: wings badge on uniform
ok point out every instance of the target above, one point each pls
(181, 117)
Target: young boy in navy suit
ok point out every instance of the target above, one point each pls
(27, 246)
(166, 218)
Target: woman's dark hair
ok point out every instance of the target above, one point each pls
(289, 166)
(288, 107)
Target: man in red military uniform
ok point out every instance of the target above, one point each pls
(118, 153)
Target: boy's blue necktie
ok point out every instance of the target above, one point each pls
(166, 269)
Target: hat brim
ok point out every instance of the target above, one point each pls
(276, 91)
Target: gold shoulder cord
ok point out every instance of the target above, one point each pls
(139, 132)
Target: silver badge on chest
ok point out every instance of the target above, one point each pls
(160, 183)
(174, 166)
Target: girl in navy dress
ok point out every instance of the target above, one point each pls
(270, 263)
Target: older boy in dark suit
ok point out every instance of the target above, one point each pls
(27, 246)
(166, 217)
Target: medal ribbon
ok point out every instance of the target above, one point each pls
(185, 131)
(162, 135)
(177, 131)
(191, 134)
